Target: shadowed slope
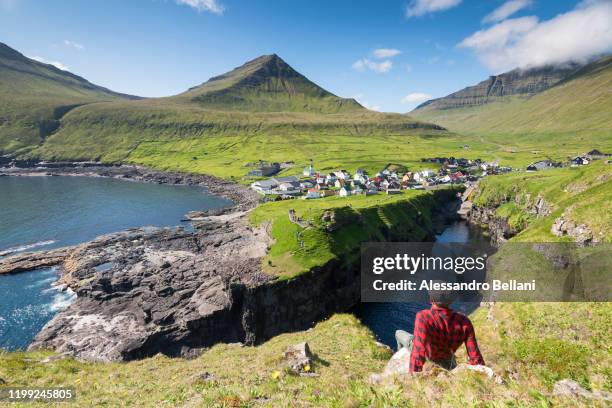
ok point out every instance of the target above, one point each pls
(34, 96)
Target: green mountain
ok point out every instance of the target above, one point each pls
(267, 84)
(34, 96)
(573, 100)
(263, 110)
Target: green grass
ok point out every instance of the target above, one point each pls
(357, 219)
(34, 96)
(529, 345)
(582, 194)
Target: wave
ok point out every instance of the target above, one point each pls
(62, 300)
(25, 247)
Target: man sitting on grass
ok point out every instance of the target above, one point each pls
(438, 333)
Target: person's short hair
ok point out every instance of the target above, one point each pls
(441, 297)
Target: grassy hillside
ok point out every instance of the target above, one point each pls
(34, 96)
(581, 194)
(351, 220)
(263, 110)
(577, 107)
(530, 346)
(268, 84)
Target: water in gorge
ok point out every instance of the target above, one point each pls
(38, 213)
(385, 318)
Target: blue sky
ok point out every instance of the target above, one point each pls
(390, 55)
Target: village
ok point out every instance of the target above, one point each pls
(392, 179)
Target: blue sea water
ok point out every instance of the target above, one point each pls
(38, 213)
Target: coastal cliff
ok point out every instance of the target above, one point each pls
(146, 291)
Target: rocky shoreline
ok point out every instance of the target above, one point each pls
(242, 197)
(146, 291)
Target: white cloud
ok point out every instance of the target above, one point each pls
(380, 67)
(204, 5)
(416, 97)
(74, 44)
(526, 42)
(381, 53)
(56, 64)
(506, 10)
(421, 7)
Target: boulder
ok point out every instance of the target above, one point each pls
(399, 364)
(570, 388)
(298, 358)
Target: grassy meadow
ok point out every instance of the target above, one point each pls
(530, 346)
(297, 249)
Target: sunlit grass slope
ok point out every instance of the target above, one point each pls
(529, 345)
(582, 195)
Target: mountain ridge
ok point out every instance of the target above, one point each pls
(577, 104)
(515, 82)
(248, 86)
(34, 96)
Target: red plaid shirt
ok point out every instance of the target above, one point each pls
(438, 333)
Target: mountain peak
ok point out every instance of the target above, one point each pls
(266, 83)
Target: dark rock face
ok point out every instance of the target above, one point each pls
(515, 82)
(160, 290)
(174, 292)
(499, 229)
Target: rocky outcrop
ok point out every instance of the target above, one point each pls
(33, 260)
(299, 359)
(571, 389)
(144, 291)
(580, 233)
(498, 227)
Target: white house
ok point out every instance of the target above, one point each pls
(423, 175)
(360, 178)
(309, 171)
(344, 192)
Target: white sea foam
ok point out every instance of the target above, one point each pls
(62, 300)
(25, 247)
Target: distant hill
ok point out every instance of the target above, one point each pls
(574, 99)
(268, 84)
(516, 82)
(34, 96)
